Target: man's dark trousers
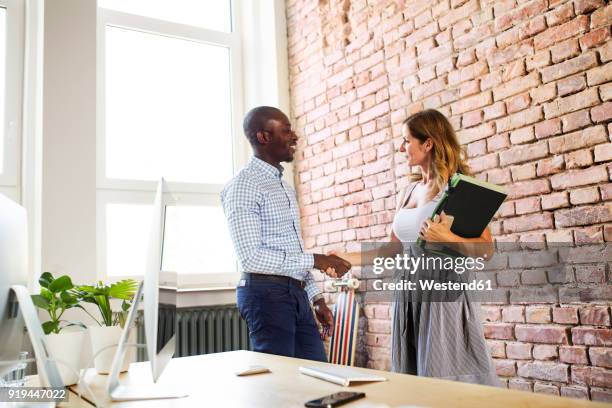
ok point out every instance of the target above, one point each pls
(280, 319)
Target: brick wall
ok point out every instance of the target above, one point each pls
(527, 85)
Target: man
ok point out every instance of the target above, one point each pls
(277, 287)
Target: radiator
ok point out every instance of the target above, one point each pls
(201, 330)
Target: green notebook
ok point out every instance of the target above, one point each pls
(472, 202)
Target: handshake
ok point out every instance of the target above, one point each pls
(332, 265)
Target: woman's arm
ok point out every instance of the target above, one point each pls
(382, 250)
(439, 231)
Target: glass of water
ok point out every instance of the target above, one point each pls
(17, 377)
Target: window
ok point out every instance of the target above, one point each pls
(170, 106)
(11, 95)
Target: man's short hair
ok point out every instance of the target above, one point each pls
(256, 119)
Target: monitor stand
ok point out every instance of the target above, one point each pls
(48, 373)
(119, 392)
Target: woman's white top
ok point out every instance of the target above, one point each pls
(407, 221)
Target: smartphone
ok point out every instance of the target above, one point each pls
(335, 400)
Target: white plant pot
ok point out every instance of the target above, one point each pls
(66, 348)
(103, 336)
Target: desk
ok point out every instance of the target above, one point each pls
(212, 383)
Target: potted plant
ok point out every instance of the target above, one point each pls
(64, 340)
(108, 330)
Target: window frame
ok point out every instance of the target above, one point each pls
(143, 191)
(10, 177)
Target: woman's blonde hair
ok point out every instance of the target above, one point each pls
(448, 154)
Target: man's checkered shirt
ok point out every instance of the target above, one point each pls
(264, 223)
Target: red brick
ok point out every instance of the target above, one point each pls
(518, 103)
(538, 60)
(497, 348)
(521, 385)
(575, 392)
(542, 388)
(505, 368)
(513, 314)
(560, 15)
(601, 395)
(499, 176)
(515, 86)
(591, 336)
(565, 315)
(524, 172)
(517, 15)
(585, 6)
(523, 153)
(595, 38)
(584, 196)
(476, 133)
(472, 118)
(548, 128)
(601, 17)
(601, 357)
(459, 13)
(583, 216)
(528, 223)
(538, 314)
(500, 331)
(571, 85)
(578, 158)
(575, 178)
(580, 139)
(494, 111)
(490, 313)
(602, 112)
(572, 103)
(544, 352)
(543, 93)
(595, 316)
(541, 334)
(497, 142)
(521, 119)
(588, 235)
(573, 355)
(544, 371)
(603, 152)
(565, 50)
(575, 120)
(471, 103)
(518, 351)
(527, 188)
(562, 32)
(555, 200)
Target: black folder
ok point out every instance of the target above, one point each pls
(472, 202)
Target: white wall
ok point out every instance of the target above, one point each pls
(69, 139)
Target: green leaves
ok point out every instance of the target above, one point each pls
(58, 295)
(123, 289)
(45, 279)
(101, 296)
(51, 327)
(40, 301)
(60, 284)
(55, 297)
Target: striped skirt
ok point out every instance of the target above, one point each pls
(442, 339)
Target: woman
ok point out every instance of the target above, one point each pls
(433, 338)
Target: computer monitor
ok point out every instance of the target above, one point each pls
(160, 346)
(17, 311)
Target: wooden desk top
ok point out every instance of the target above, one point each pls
(212, 383)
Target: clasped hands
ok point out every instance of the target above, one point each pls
(438, 229)
(332, 265)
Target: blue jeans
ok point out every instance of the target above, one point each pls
(280, 319)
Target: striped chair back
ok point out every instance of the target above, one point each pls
(344, 339)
